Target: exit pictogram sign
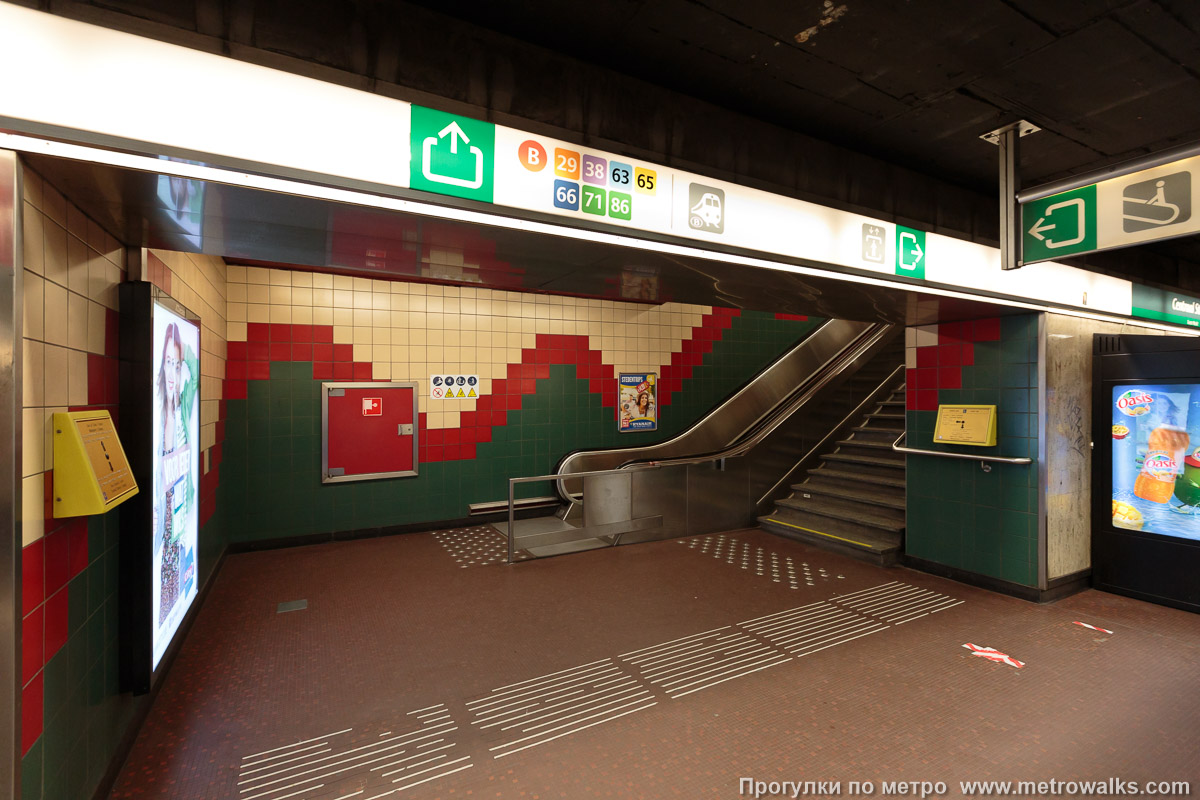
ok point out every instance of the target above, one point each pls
(372, 406)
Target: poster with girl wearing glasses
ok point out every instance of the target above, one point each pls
(176, 473)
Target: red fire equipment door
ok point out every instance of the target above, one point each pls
(368, 431)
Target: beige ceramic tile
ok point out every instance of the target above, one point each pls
(77, 383)
(33, 372)
(77, 321)
(55, 314)
(34, 299)
(56, 376)
(34, 245)
(32, 509)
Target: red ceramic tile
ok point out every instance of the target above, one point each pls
(257, 332)
(302, 351)
(56, 623)
(235, 390)
(48, 503)
(235, 351)
(362, 371)
(281, 351)
(986, 330)
(951, 332)
(32, 633)
(323, 334)
(258, 351)
(77, 545)
(949, 378)
(95, 379)
(968, 354)
(343, 371)
(322, 371)
(236, 370)
(927, 356)
(31, 713)
(343, 352)
(927, 400)
(58, 564)
(280, 332)
(258, 370)
(949, 355)
(33, 576)
(302, 333)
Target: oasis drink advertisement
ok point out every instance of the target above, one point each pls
(1156, 459)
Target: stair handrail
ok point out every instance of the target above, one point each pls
(983, 460)
(872, 398)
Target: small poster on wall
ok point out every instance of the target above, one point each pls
(637, 404)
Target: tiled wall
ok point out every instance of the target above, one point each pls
(72, 714)
(547, 366)
(959, 515)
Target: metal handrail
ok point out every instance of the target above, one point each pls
(965, 456)
(871, 399)
(512, 483)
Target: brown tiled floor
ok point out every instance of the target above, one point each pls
(258, 702)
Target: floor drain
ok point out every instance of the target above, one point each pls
(291, 605)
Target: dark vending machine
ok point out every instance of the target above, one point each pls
(1146, 468)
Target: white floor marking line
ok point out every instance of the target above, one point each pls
(843, 641)
(952, 605)
(433, 713)
(823, 618)
(319, 769)
(347, 796)
(811, 613)
(824, 636)
(285, 761)
(548, 675)
(899, 602)
(654, 675)
(430, 744)
(732, 655)
(638, 693)
(899, 598)
(427, 780)
(684, 681)
(881, 599)
(290, 746)
(575, 730)
(783, 660)
(429, 769)
(575, 702)
(862, 592)
(410, 758)
(542, 691)
(418, 764)
(812, 624)
(300, 791)
(674, 657)
(749, 623)
(513, 695)
(520, 719)
(905, 610)
(673, 641)
(427, 708)
(673, 650)
(927, 611)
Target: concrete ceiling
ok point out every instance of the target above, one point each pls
(912, 82)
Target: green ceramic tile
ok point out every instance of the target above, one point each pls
(31, 772)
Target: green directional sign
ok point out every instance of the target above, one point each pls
(1059, 225)
(910, 252)
(452, 155)
(1164, 306)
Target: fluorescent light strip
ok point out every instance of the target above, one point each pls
(141, 163)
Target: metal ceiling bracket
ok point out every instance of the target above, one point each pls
(1006, 139)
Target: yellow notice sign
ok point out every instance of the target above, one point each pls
(973, 425)
(91, 474)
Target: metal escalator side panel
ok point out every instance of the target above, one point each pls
(733, 417)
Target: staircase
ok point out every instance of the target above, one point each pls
(853, 501)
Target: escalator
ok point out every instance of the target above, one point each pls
(731, 466)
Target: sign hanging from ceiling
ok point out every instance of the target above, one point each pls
(1157, 203)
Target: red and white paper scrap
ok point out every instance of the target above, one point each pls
(993, 654)
(1093, 627)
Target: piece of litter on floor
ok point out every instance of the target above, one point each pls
(992, 654)
(1093, 627)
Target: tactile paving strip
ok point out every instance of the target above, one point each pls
(764, 562)
(476, 546)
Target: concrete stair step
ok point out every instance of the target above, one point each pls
(870, 494)
(850, 512)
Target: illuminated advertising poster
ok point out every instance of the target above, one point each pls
(637, 404)
(176, 473)
(1156, 459)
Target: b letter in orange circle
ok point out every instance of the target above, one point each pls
(532, 155)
